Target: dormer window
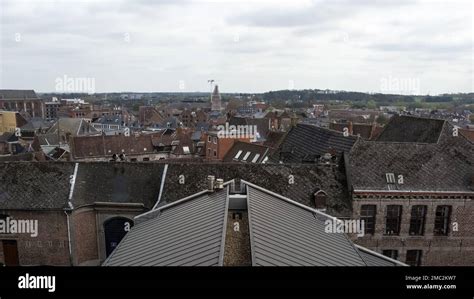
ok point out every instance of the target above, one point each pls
(186, 150)
(238, 154)
(254, 160)
(320, 199)
(247, 154)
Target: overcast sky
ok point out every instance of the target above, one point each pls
(246, 46)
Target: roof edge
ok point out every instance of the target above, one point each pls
(366, 250)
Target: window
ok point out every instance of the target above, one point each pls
(215, 153)
(367, 214)
(186, 150)
(442, 218)
(209, 139)
(414, 257)
(238, 154)
(417, 221)
(247, 154)
(393, 219)
(391, 253)
(209, 152)
(254, 160)
(146, 159)
(215, 140)
(390, 178)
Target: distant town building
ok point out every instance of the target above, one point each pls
(10, 121)
(21, 101)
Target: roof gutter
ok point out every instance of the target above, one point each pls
(380, 255)
(413, 192)
(157, 209)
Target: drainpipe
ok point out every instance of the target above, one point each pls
(67, 212)
(69, 209)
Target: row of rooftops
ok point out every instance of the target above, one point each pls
(46, 186)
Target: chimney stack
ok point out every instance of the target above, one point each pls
(219, 184)
(350, 128)
(210, 183)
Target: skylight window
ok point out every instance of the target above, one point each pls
(254, 160)
(238, 154)
(246, 156)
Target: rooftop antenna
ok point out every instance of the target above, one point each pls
(211, 82)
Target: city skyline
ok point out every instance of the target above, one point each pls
(163, 46)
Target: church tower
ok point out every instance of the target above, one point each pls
(216, 100)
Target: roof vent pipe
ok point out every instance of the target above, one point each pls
(220, 184)
(210, 183)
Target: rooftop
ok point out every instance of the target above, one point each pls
(17, 94)
(305, 140)
(192, 232)
(403, 128)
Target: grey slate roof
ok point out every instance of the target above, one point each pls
(34, 186)
(140, 182)
(74, 126)
(305, 140)
(117, 182)
(308, 179)
(373, 260)
(187, 234)
(17, 94)
(283, 234)
(245, 147)
(412, 129)
(444, 166)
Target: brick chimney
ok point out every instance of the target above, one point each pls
(350, 128)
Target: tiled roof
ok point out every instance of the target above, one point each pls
(17, 94)
(74, 126)
(307, 140)
(469, 134)
(412, 129)
(444, 166)
(262, 124)
(256, 153)
(103, 146)
(308, 179)
(34, 186)
(274, 139)
(363, 130)
(140, 182)
(117, 182)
